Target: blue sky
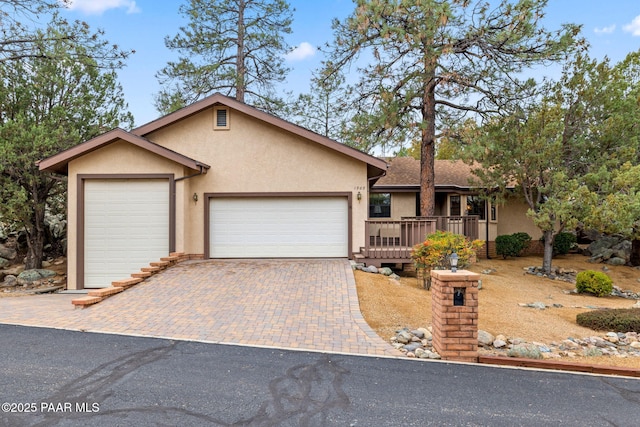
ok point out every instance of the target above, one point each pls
(611, 27)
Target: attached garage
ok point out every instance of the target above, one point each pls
(279, 227)
(126, 226)
(273, 190)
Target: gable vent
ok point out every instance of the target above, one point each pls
(221, 118)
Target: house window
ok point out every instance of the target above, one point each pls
(379, 205)
(494, 213)
(476, 206)
(221, 118)
(454, 205)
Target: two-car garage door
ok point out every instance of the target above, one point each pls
(278, 227)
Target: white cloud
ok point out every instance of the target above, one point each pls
(633, 27)
(97, 7)
(605, 30)
(303, 51)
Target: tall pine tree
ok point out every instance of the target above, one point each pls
(434, 62)
(235, 47)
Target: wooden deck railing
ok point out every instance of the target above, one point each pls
(392, 241)
(466, 225)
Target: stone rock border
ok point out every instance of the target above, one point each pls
(386, 271)
(418, 344)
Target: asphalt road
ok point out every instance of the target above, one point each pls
(60, 378)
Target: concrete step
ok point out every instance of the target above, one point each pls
(127, 283)
(161, 264)
(141, 275)
(85, 301)
(105, 292)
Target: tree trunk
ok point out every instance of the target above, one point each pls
(635, 252)
(423, 275)
(35, 238)
(548, 237)
(428, 152)
(240, 65)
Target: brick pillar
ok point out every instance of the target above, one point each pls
(455, 323)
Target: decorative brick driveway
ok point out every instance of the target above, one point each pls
(295, 304)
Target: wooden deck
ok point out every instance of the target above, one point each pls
(391, 242)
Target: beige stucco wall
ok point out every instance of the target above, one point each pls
(117, 158)
(250, 157)
(402, 205)
(255, 157)
(513, 218)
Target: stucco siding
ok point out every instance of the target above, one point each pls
(251, 157)
(512, 218)
(403, 205)
(256, 157)
(115, 159)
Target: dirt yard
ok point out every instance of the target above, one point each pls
(388, 305)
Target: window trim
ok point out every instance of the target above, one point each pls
(381, 215)
(459, 197)
(216, 126)
(477, 198)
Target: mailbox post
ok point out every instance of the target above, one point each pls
(454, 314)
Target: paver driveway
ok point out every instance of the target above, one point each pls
(296, 304)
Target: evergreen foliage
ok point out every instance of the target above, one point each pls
(49, 103)
(594, 282)
(235, 47)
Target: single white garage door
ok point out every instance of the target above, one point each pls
(278, 227)
(126, 226)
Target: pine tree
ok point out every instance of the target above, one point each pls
(235, 47)
(430, 63)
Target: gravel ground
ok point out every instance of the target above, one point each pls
(389, 305)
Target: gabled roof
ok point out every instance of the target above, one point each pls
(375, 166)
(59, 163)
(404, 173)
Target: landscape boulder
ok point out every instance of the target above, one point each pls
(7, 252)
(614, 250)
(386, 271)
(29, 276)
(370, 269)
(10, 280)
(485, 338)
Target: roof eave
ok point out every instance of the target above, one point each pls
(376, 166)
(59, 163)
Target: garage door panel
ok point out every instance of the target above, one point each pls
(126, 227)
(274, 227)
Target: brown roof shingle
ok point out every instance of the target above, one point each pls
(404, 172)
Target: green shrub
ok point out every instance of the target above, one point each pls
(563, 243)
(614, 320)
(506, 245)
(512, 244)
(523, 239)
(594, 282)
